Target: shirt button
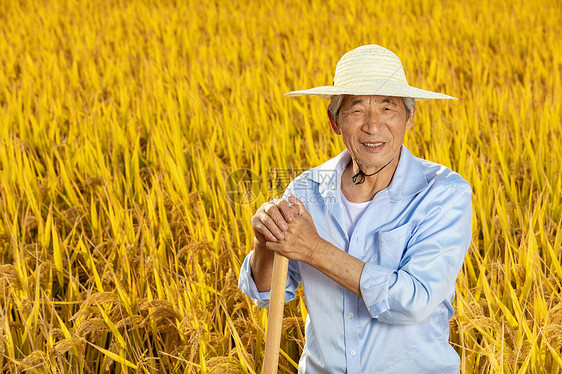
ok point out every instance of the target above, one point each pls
(350, 315)
(352, 352)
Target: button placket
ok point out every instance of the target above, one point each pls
(351, 336)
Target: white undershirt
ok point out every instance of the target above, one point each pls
(352, 212)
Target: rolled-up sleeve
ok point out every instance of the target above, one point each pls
(375, 283)
(430, 263)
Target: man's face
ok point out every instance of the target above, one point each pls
(373, 128)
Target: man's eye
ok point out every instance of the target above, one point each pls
(386, 108)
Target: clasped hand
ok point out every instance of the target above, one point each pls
(287, 228)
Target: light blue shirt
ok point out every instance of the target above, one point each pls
(413, 237)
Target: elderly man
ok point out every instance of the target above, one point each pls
(376, 236)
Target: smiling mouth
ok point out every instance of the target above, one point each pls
(374, 146)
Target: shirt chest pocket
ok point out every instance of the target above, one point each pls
(391, 246)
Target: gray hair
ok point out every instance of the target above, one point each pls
(337, 100)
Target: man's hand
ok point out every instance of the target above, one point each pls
(297, 239)
(272, 219)
(301, 240)
(269, 223)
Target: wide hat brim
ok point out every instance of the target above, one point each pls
(383, 87)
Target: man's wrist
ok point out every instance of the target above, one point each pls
(261, 264)
(261, 255)
(316, 252)
(259, 246)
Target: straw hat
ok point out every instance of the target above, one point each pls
(370, 70)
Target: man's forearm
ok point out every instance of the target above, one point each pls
(261, 264)
(338, 265)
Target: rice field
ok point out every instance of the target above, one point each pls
(137, 139)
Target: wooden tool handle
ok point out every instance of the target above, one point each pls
(275, 316)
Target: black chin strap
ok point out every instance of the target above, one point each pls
(360, 176)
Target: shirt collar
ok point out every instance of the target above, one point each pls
(409, 177)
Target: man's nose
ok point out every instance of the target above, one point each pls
(373, 123)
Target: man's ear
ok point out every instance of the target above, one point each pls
(333, 123)
(410, 120)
